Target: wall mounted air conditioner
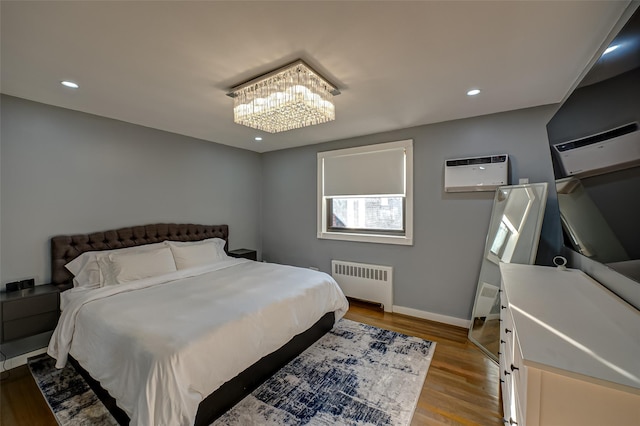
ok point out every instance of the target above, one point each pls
(476, 174)
(614, 149)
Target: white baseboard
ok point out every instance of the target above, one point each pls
(431, 316)
(19, 360)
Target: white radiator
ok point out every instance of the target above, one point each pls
(372, 283)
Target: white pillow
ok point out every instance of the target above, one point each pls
(188, 256)
(86, 267)
(125, 267)
(85, 270)
(219, 242)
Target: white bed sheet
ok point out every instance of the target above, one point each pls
(161, 345)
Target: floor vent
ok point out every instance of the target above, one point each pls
(371, 283)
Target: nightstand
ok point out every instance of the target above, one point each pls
(29, 312)
(244, 253)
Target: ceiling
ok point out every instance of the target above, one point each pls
(625, 57)
(168, 65)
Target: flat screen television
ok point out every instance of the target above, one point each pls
(600, 205)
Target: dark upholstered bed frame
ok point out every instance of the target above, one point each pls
(65, 248)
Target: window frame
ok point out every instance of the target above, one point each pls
(369, 236)
(330, 228)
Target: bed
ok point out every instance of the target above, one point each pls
(183, 346)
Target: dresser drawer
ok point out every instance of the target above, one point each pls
(506, 389)
(519, 416)
(29, 306)
(29, 326)
(506, 335)
(519, 376)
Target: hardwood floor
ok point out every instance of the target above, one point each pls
(461, 387)
(21, 402)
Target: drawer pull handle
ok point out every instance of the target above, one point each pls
(499, 353)
(503, 341)
(513, 368)
(506, 330)
(503, 307)
(501, 381)
(506, 373)
(512, 422)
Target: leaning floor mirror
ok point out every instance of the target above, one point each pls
(514, 232)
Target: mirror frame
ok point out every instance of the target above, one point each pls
(489, 266)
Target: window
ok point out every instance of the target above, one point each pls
(366, 193)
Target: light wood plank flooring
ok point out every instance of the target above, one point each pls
(461, 386)
(21, 402)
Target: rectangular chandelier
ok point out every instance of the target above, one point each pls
(288, 98)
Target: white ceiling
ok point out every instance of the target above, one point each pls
(168, 65)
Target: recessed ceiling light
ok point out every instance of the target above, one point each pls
(258, 138)
(473, 92)
(611, 49)
(70, 84)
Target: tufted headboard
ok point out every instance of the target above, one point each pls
(65, 248)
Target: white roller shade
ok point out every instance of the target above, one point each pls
(366, 173)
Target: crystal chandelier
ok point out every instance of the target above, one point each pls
(288, 98)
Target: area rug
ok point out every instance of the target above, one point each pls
(354, 375)
(70, 398)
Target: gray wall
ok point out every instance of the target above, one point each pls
(64, 172)
(68, 172)
(439, 273)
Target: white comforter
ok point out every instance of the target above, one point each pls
(161, 345)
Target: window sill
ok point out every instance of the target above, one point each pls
(366, 238)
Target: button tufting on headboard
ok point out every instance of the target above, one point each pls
(65, 248)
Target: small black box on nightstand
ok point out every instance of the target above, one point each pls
(30, 283)
(21, 285)
(14, 286)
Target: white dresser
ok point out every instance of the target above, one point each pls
(569, 351)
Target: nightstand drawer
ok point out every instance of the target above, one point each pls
(29, 306)
(29, 326)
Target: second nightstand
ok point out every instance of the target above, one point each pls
(244, 253)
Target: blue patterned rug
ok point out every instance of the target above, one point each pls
(70, 398)
(354, 375)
